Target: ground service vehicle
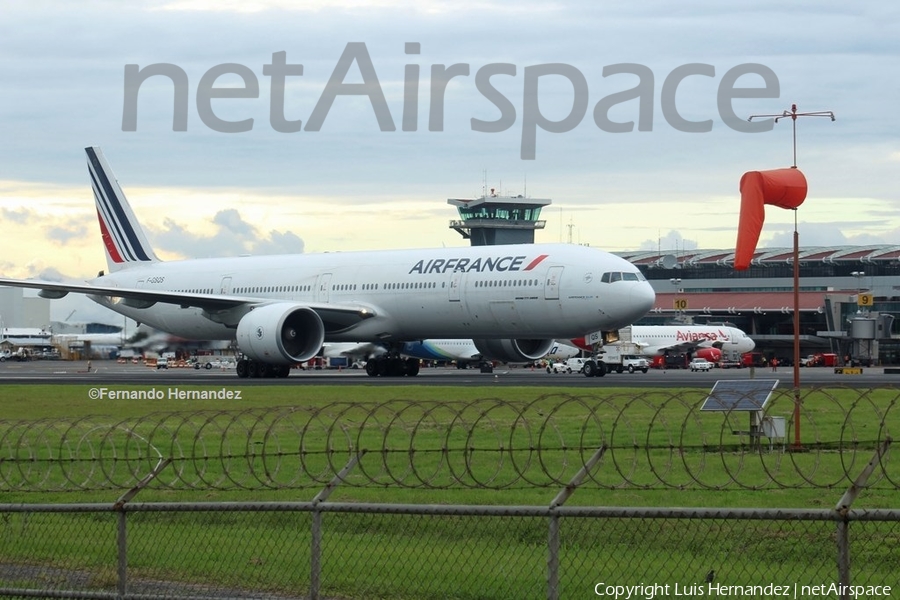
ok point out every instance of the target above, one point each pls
(753, 359)
(700, 364)
(820, 360)
(618, 357)
(634, 363)
(671, 361)
(576, 364)
(623, 356)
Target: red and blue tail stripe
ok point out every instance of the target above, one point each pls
(123, 238)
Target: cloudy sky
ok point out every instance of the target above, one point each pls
(331, 168)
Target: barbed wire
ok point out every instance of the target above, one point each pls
(646, 440)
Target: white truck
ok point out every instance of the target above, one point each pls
(618, 357)
(21, 354)
(623, 356)
(573, 365)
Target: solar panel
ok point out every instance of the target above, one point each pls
(740, 395)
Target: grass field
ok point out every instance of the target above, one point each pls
(434, 445)
(455, 445)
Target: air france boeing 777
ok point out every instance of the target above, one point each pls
(513, 300)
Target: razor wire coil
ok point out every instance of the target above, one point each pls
(649, 440)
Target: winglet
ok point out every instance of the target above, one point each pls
(123, 237)
(785, 188)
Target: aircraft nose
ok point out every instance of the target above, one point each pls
(642, 299)
(636, 302)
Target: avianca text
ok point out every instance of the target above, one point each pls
(693, 336)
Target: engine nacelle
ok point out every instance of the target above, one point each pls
(713, 355)
(281, 334)
(512, 350)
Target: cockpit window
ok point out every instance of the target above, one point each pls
(613, 276)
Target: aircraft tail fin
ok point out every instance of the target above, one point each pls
(123, 238)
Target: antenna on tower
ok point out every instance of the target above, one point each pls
(560, 223)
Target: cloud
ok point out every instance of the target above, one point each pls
(821, 234)
(316, 6)
(231, 236)
(19, 217)
(51, 274)
(279, 243)
(230, 220)
(63, 235)
(670, 242)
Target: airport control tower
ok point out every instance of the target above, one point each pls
(493, 219)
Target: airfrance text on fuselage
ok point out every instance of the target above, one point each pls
(466, 265)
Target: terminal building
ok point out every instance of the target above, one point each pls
(848, 295)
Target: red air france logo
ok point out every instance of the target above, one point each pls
(499, 264)
(108, 241)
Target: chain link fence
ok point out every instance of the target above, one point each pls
(301, 550)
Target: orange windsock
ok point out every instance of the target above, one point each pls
(785, 188)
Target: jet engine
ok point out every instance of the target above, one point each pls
(281, 334)
(513, 350)
(713, 355)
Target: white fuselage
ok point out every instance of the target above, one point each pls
(654, 340)
(537, 291)
(442, 349)
(657, 338)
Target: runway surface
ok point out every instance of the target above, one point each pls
(110, 372)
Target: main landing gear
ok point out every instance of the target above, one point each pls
(594, 368)
(254, 369)
(392, 366)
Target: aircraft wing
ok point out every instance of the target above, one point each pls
(335, 316)
(678, 347)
